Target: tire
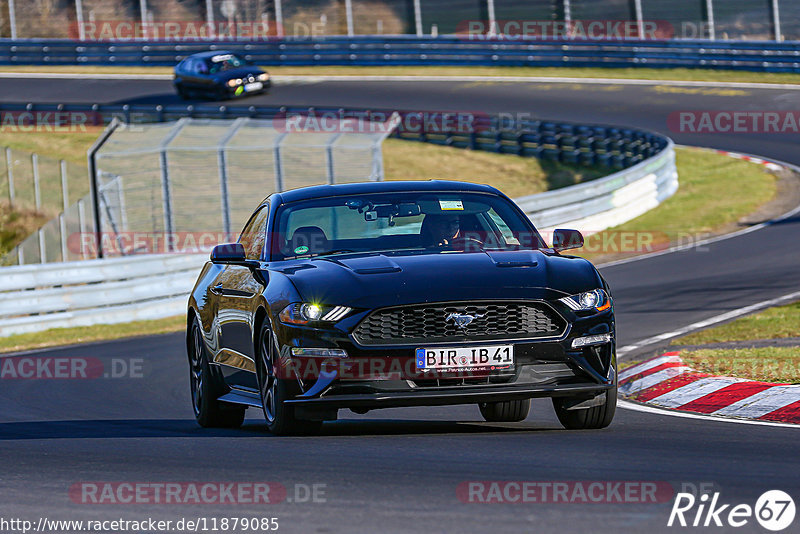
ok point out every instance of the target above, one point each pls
(204, 388)
(589, 418)
(183, 93)
(279, 416)
(505, 411)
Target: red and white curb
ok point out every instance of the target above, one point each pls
(752, 159)
(667, 382)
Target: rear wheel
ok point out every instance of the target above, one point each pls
(505, 411)
(275, 391)
(208, 411)
(599, 416)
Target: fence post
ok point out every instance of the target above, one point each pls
(776, 20)
(143, 16)
(637, 5)
(329, 158)
(492, 18)
(79, 19)
(712, 31)
(12, 19)
(37, 191)
(418, 18)
(210, 19)
(81, 226)
(42, 252)
(567, 6)
(62, 229)
(10, 171)
(94, 186)
(276, 148)
(348, 11)
(279, 17)
(223, 172)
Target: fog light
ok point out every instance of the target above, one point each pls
(319, 353)
(586, 341)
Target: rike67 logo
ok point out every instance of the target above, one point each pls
(774, 510)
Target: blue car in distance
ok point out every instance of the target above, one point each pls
(218, 75)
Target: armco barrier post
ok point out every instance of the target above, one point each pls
(37, 191)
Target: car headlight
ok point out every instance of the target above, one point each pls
(263, 77)
(307, 312)
(234, 82)
(597, 300)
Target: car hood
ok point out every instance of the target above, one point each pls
(369, 280)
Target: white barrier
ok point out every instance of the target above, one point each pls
(606, 202)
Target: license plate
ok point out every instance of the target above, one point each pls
(496, 357)
(254, 86)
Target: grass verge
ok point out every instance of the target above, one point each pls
(715, 192)
(85, 334)
(708, 75)
(773, 364)
(16, 225)
(773, 323)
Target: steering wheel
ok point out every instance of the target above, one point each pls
(465, 242)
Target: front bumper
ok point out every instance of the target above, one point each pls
(449, 396)
(384, 376)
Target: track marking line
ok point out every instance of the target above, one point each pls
(724, 237)
(627, 405)
(711, 321)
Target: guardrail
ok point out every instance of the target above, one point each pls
(769, 56)
(115, 290)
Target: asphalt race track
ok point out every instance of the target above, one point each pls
(398, 470)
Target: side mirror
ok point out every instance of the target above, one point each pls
(228, 253)
(567, 239)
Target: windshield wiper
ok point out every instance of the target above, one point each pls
(331, 252)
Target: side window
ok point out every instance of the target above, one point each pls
(201, 67)
(254, 234)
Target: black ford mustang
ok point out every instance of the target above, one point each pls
(387, 294)
(218, 75)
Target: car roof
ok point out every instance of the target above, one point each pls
(361, 188)
(210, 53)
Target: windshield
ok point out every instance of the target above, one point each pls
(223, 62)
(447, 222)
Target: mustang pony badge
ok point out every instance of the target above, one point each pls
(462, 320)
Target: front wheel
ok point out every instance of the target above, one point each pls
(275, 391)
(505, 411)
(208, 411)
(599, 416)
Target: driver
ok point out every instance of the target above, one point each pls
(442, 229)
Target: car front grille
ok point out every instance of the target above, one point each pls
(427, 323)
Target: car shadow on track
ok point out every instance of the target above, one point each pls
(176, 428)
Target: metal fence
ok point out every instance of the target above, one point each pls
(153, 19)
